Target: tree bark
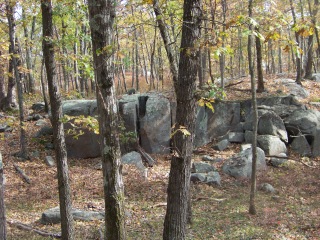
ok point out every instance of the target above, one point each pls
(166, 40)
(3, 228)
(101, 16)
(298, 58)
(67, 223)
(179, 179)
(259, 65)
(252, 207)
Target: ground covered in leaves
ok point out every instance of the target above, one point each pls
(218, 212)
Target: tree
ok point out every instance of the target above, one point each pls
(3, 229)
(101, 16)
(67, 224)
(16, 62)
(252, 208)
(259, 64)
(179, 178)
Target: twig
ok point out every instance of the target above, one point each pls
(160, 205)
(22, 173)
(30, 228)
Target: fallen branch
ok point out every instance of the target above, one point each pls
(146, 156)
(292, 159)
(233, 84)
(30, 228)
(22, 173)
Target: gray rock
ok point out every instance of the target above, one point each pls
(38, 107)
(198, 177)
(50, 161)
(278, 162)
(266, 187)
(44, 131)
(236, 137)
(240, 166)
(207, 158)
(80, 107)
(271, 145)
(52, 216)
(41, 123)
(245, 146)
(3, 127)
(316, 142)
(84, 146)
(248, 136)
(155, 123)
(272, 124)
(49, 145)
(200, 167)
(36, 117)
(301, 145)
(226, 117)
(302, 121)
(283, 106)
(316, 77)
(128, 109)
(222, 145)
(213, 178)
(201, 136)
(294, 88)
(35, 154)
(133, 158)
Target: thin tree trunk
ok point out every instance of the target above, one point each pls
(23, 135)
(178, 202)
(3, 224)
(252, 207)
(259, 65)
(67, 223)
(43, 87)
(31, 83)
(298, 58)
(166, 40)
(101, 16)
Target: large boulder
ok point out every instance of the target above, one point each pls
(283, 106)
(240, 166)
(80, 107)
(293, 88)
(201, 128)
(271, 145)
(128, 109)
(226, 117)
(133, 158)
(271, 124)
(316, 77)
(302, 122)
(52, 215)
(300, 145)
(155, 123)
(86, 145)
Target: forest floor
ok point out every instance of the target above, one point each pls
(218, 212)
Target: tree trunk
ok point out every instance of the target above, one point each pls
(252, 207)
(31, 83)
(298, 58)
(43, 87)
(101, 17)
(259, 65)
(3, 228)
(179, 179)
(166, 40)
(67, 223)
